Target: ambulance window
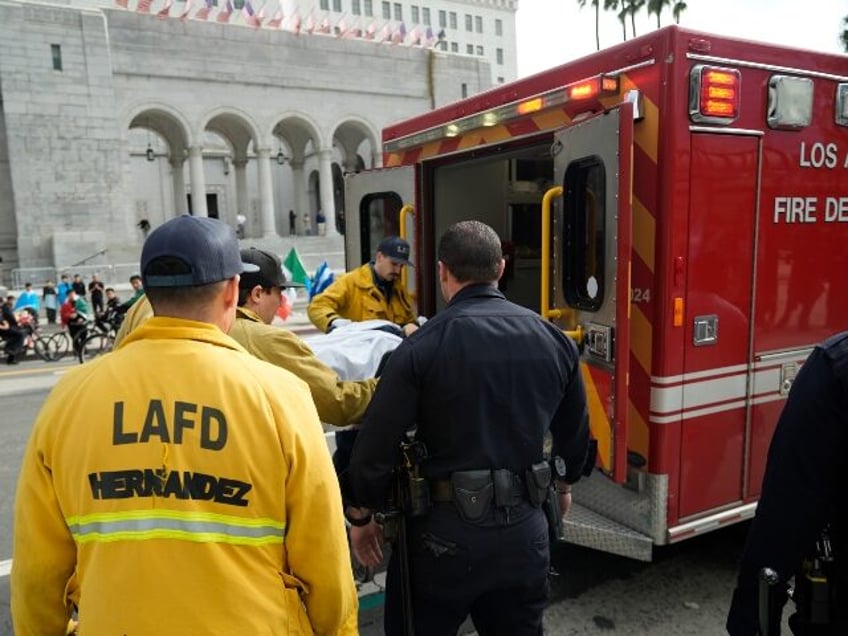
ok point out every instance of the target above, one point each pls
(584, 233)
(378, 218)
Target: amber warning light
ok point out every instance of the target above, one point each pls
(719, 93)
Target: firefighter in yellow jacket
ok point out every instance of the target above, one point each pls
(179, 485)
(372, 291)
(338, 402)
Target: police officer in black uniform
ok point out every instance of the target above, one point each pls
(483, 381)
(804, 489)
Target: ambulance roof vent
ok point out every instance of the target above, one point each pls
(790, 102)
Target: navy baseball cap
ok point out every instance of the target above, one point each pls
(270, 272)
(396, 249)
(207, 246)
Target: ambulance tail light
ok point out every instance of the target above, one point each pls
(714, 94)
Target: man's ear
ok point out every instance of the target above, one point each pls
(255, 295)
(443, 272)
(501, 268)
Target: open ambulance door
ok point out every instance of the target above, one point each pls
(591, 243)
(379, 203)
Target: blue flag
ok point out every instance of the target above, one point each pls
(323, 278)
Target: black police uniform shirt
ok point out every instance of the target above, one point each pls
(483, 381)
(805, 483)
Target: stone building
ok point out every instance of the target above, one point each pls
(112, 121)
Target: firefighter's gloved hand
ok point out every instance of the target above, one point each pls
(338, 322)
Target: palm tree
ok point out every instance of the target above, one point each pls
(844, 36)
(597, 5)
(657, 7)
(678, 8)
(631, 8)
(612, 5)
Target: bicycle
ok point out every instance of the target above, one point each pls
(98, 338)
(34, 340)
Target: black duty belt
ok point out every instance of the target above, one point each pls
(504, 487)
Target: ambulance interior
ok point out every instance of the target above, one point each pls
(506, 193)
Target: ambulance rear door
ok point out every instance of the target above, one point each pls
(592, 240)
(379, 203)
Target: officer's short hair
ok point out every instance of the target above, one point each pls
(471, 251)
(181, 296)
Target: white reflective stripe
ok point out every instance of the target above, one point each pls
(687, 415)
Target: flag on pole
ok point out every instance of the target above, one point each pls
(399, 35)
(386, 33)
(294, 268)
(203, 12)
(341, 28)
(250, 17)
(295, 22)
(165, 11)
(309, 25)
(414, 36)
(277, 20)
(122, 3)
(323, 278)
(429, 38)
(370, 30)
(186, 11)
(143, 6)
(225, 13)
(324, 27)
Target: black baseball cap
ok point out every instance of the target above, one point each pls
(396, 249)
(270, 272)
(208, 247)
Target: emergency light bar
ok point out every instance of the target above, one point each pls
(591, 88)
(714, 94)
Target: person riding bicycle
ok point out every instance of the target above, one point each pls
(75, 314)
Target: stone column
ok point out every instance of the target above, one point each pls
(242, 202)
(325, 184)
(178, 178)
(299, 186)
(266, 193)
(198, 181)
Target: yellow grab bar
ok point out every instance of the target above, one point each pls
(406, 210)
(547, 311)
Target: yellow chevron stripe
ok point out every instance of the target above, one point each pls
(646, 134)
(598, 421)
(644, 233)
(638, 437)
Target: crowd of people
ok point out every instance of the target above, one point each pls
(71, 304)
(196, 461)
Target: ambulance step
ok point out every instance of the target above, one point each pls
(591, 530)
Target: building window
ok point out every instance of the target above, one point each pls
(479, 50)
(56, 53)
(425, 15)
(500, 80)
(443, 45)
(452, 16)
(416, 18)
(498, 26)
(337, 6)
(478, 23)
(369, 8)
(499, 56)
(398, 11)
(469, 22)
(324, 5)
(469, 48)
(464, 90)
(387, 10)
(454, 47)
(355, 7)
(443, 19)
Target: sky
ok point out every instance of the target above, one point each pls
(551, 32)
